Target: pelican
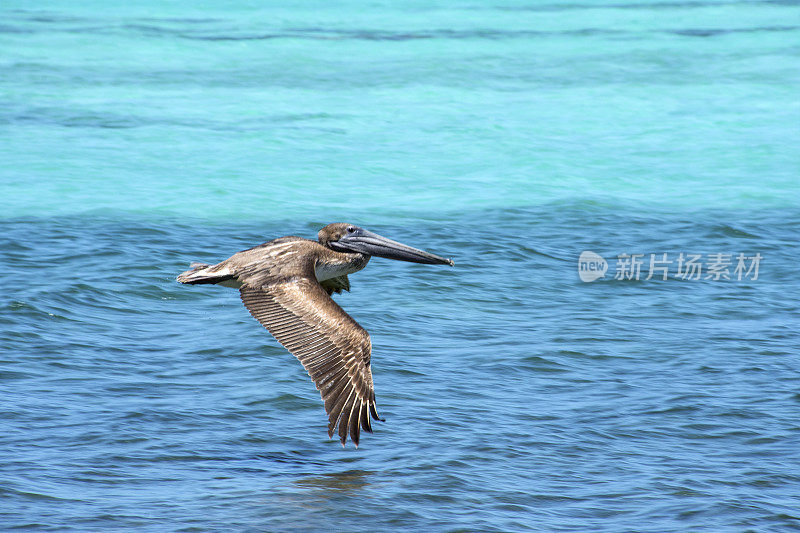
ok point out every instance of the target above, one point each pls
(287, 284)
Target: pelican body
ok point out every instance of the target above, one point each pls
(287, 284)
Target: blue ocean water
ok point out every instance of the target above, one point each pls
(509, 135)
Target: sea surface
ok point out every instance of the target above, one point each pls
(510, 135)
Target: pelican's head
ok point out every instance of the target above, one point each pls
(349, 238)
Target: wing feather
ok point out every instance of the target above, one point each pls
(355, 421)
(366, 425)
(332, 347)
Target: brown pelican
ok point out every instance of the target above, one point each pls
(287, 284)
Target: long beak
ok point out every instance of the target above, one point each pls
(366, 242)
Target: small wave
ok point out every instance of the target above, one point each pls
(713, 32)
(379, 35)
(7, 492)
(619, 5)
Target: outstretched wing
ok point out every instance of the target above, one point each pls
(332, 347)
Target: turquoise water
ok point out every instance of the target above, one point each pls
(510, 136)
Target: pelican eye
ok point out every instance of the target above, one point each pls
(351, 229)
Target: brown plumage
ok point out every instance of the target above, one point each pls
(287, 284)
